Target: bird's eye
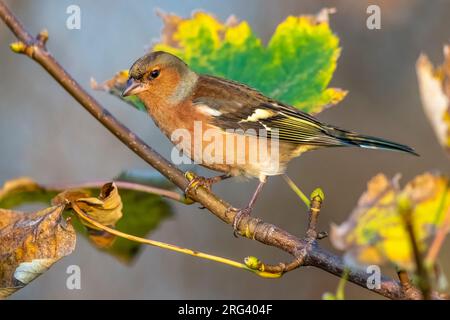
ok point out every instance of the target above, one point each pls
(154, 74)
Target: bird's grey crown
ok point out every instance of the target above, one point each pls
(160, 58)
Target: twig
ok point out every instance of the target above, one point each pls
(340, 291)
(424, 281)
(280, 268)
(317, 198)
(263, 232)
(438, 241)
(297, 190)
(122, 185)
(163, 245)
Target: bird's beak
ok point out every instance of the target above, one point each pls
(133, 87)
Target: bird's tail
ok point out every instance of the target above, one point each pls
(351, 138)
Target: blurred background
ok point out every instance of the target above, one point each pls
(46, 135)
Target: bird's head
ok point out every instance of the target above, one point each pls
(160, 75)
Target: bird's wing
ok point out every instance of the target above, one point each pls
(232, 105)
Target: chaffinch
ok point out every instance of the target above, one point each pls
(181, 101)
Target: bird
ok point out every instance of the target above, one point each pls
(181, 101)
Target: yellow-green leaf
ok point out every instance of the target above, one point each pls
(295, 66)
(375, 232)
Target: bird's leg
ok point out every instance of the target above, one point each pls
(240, 213)
(206, 183)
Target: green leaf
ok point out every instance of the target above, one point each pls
(17, 192)
(142, 211)
(295, 66)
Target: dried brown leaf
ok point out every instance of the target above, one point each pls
(105, 209)
(30, 243)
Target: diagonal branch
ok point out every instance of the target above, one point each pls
(305, 252)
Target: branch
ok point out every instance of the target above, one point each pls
(122, 185)
(257, 270)
(305, 252)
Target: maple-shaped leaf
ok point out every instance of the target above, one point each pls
(295, 66)
(376, 232)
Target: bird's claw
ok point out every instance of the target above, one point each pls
(196, 182)
(240, 213)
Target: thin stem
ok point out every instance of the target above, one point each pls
(121, 185)
(424, 281)
(438, 241)
(340, 291)
(171, 247)
(297, 191)
(14, 24)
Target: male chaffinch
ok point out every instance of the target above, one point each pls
(178, 98)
